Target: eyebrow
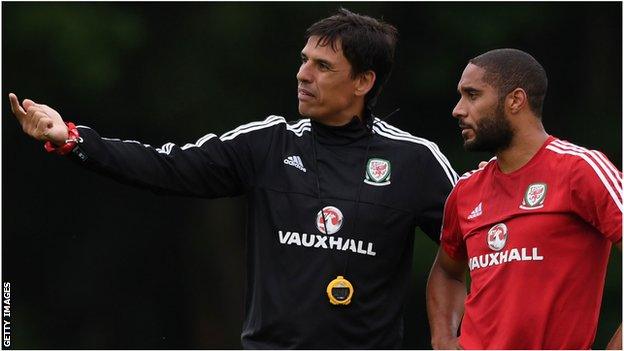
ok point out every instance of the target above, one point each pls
(318, 60)
(468, 90)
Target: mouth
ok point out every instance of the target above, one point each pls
(465, 130)
(304, 94)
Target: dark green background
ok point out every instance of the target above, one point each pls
(95, 264)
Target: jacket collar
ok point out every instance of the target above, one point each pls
(349, 133)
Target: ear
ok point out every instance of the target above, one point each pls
(364, 82)
(517, 100)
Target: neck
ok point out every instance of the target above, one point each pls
(345, 116)
(524, 145)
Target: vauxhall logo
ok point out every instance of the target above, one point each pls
(496, 239)
(328, 221)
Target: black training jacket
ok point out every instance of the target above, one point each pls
(375, 183)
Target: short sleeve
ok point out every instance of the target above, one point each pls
(596, 194)
(451, 238)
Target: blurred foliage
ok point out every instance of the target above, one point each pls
(97, 265)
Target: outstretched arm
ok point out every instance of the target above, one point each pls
(211, 167)
(446, 292)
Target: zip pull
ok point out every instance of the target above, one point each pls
(390, 114)
(372, 122)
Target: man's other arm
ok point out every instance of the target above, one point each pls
(446, 293)
(596, 196)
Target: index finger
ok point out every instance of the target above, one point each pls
(17, 110)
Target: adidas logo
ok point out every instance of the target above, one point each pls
(476, 212)
(295, 161)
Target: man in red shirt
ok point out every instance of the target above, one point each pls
(534, 227)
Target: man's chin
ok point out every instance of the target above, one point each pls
(468, 143)
(473, 146)
(476, 146)
(308, 113)
(304, 110)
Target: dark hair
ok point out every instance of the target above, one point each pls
(508, 69)
(367, 43)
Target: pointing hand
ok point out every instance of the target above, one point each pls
(39, 121)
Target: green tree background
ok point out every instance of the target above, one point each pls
(95, 264)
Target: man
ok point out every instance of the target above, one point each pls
(534, 226)
(334, 199)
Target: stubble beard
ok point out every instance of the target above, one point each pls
(493, 133)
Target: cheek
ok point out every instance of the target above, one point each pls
(477, 113)
(338, 93)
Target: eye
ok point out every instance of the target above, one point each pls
(473, 95)
(323, 66)
(304, 59)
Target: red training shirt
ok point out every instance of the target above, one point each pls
(537, 242)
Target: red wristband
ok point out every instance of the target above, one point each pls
(70, 143)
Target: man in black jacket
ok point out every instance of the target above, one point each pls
(334, 198)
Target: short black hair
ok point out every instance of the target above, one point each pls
(508, 69)
(367, 43)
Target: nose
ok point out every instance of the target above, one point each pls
(304, 75)
(459, 111)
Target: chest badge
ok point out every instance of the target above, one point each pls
(378, 172)
(534, 196)
(497, 237)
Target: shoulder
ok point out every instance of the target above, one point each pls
(411, 143)
(585, 165)
(272, 124)
(577, 156)
(476, 177)
(394, 135)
